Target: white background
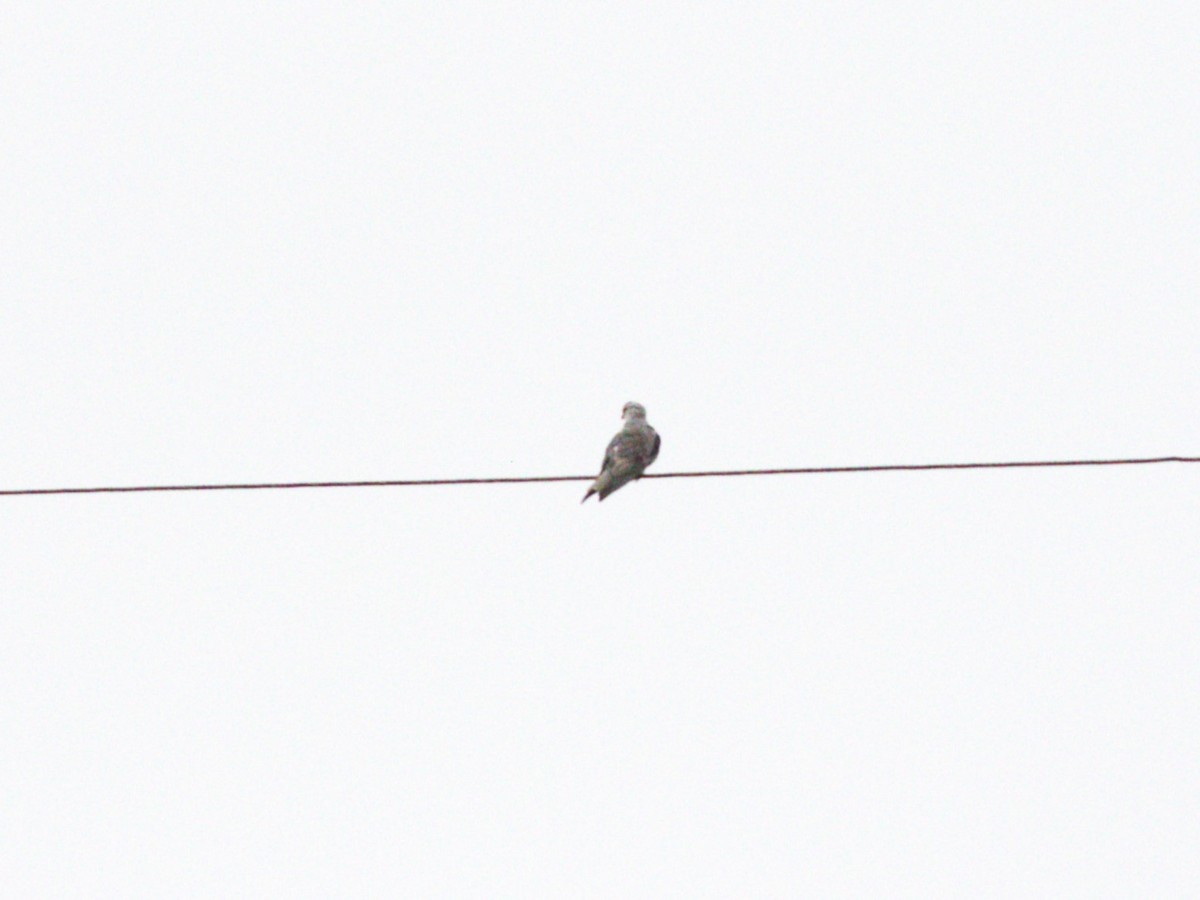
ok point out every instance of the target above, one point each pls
(305, 241)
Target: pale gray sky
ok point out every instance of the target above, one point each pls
(320, 241)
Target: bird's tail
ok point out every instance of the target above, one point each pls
(599, 486)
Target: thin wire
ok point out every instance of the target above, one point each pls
(817, 470)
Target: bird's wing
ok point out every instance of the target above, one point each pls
(654, 449)
(633, 447)
(611, 452)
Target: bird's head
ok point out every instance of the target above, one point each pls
(633, 411)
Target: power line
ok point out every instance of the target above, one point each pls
(429, 482)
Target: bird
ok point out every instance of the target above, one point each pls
(633, 448)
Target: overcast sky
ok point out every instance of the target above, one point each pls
(299, 241)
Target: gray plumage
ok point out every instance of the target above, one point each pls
(629, 453)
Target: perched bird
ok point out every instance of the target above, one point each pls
(634, 447)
